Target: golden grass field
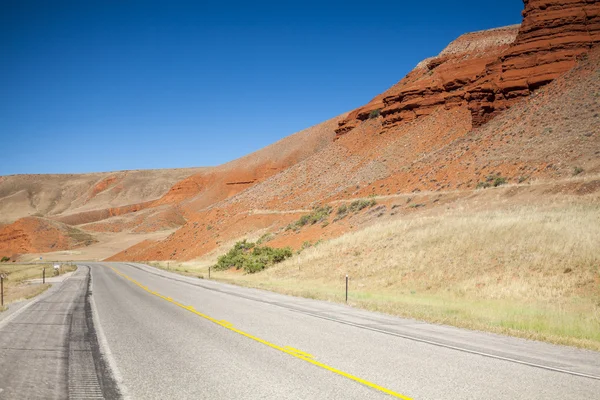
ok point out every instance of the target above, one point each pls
(16, 287)
(532, 272)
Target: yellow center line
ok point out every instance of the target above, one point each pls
(287, 349)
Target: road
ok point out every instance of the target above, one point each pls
(155, 335)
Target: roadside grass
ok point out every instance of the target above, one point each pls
(15, 286)
(528, 272)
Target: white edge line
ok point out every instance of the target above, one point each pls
(105, 349)
(448, 346)
(404, 336)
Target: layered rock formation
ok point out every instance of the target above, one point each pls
(435, 82)
(491, 70)
(553, 34)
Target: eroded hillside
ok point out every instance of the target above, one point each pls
(434, 134)
(515, 105)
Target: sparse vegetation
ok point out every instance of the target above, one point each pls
(354, 207)
(319, 214)
(307, 244)
(251, 258)
(81, 237)
(527, 272)
(374, 114)
(491, 180)
(265, 238)
(5, 259)
(341, 212)
(358, 205)
(16, 287)
(577, 170)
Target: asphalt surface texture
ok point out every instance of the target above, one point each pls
(48, 347)
(152, 334)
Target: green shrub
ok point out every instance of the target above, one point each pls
(358, 205)
(491, 180)
(5, 259)
(577, 170)
(374, 114)
(499, 181)
(252, 258)
(319, 214)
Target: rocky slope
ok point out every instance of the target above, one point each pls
(491, 70)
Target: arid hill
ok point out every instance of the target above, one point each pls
(141, 203)
(435, 132)
(516, 105)
(60, 195)
(40, 235)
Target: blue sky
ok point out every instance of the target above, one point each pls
(110, 85)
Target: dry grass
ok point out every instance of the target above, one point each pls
(528, 272)
(15, 286)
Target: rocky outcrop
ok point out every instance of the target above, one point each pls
(554, 33)
(491, 70)
(435, 82)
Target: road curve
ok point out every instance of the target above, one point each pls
(169, 336)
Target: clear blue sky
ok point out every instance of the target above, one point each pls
(109, 85)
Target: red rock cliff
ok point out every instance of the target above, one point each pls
(553, 34)
(491, 70)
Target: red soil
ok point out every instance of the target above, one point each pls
(39, 235)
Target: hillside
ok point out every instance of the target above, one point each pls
(131, 206)
(40, 235)
(430, 136)
(515, 105)
(59, 195)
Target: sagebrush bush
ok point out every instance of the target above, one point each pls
(374, 114)
(252, 258)
(491, 180)
(358, 205)
(319, 214)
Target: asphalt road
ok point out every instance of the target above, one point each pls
(168, 336)
(48, 348)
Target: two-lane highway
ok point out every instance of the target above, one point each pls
(156, 335)
(178, 337)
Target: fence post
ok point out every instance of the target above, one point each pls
(346, 288)
(208, 272)
(44, 275)
(1, 290)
